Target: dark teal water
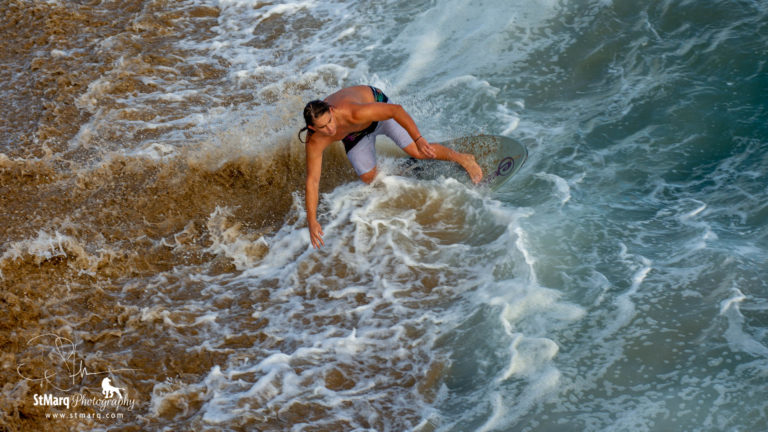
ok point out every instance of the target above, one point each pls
(617, 283)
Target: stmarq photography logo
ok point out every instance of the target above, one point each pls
(56, 364)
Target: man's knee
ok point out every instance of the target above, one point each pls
(369, 176)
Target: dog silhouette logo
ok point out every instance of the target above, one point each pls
(109, 391)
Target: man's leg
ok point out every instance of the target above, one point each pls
(363, 158)
(400, 136)
(466, 160)
(369, 176)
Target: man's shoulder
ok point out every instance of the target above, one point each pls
(317, 143)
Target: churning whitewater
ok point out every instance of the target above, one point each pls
(155, 256)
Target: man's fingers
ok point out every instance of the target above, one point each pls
(317, 239)
(429, 151)
(425, 148)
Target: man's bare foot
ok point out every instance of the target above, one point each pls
(473, 169)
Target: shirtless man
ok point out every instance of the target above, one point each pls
(355, 116)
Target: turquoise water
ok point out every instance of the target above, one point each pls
(617, 283)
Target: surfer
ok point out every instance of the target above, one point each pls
(356, 115)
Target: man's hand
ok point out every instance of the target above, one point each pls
(425, 147)
(316, 234)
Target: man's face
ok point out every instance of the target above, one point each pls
(325, 124)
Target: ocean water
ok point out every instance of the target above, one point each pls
(154, 229)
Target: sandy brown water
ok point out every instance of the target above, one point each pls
(153, 229)
(84, 226)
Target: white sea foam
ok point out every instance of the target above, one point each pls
(49, 246)
(738, 339)
(561, 186)
(229, 240)
(521, 306)
(384, 236)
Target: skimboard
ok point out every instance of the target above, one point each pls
(500, 158)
